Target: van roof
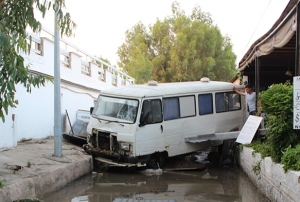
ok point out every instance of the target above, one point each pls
(168, 89)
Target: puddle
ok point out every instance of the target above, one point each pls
(208, 184)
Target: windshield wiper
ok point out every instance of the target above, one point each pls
(100, 120)
(115, 122)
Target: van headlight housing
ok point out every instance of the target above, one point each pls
(94, 131)
(125, 146)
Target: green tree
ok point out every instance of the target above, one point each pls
(15, 17)
(134, 53)
(178, 48)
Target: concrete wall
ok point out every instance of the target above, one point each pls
(34, 115)
(271, 179)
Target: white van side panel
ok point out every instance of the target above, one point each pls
(227, 121)
(149, 139)
(177, 130)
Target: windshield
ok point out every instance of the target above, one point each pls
(124, 109)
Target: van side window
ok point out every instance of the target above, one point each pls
(205, 104)
(151, 112)
(234, 101)
(179, 107)
(187, 106)
(227, 101)
(171, 108)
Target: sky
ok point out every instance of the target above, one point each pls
(101, 24)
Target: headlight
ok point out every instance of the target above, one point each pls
(125, 146)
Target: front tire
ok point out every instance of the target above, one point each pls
(157, 160)
(153, 162)
(162, 160)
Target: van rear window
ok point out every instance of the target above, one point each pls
(227, 101)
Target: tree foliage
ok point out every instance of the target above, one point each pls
(15, 17)
(178, 48)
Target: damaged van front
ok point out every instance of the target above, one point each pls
(110, 132)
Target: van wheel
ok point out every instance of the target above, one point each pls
(153, 162)
(214, 157)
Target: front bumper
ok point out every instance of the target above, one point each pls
(116, 159)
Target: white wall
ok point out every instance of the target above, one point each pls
(72, 101)
(7, 138)
(270, 178)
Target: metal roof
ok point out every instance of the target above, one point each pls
(167, 89)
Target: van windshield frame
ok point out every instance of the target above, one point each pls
(121, 109)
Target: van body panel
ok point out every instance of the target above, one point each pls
(149, 139)
(176, 131)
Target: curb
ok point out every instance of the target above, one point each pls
(269, 177)
(37, 186)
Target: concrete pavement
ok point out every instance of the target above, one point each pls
(30, 170)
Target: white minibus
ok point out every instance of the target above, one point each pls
(143, 125)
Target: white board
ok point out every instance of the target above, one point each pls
(296, 101)
(83, 115)
(249, 129)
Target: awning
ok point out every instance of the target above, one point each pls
(279, 35)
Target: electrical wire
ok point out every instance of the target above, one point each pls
(258, 25)
(65, 87)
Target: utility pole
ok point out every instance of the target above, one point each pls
(57, 97)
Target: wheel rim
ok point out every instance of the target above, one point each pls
(152, 163)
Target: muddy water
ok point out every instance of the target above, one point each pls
(210, 185)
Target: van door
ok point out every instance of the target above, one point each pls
(150, 133)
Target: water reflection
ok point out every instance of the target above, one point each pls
(211, 184)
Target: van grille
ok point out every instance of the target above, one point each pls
(103, 140)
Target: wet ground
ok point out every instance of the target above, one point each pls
(209, 184)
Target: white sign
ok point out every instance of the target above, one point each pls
(296, 86)
(83, 115)
(249, 129)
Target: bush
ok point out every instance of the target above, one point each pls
(264, 148)
(291, 158)
(2, 183)
(277, 102)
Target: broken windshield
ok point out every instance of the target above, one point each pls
(124, 109)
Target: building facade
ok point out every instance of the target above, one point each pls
(82, 75)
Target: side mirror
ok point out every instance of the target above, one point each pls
(91, 110)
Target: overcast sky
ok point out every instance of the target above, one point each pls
(101, 24)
